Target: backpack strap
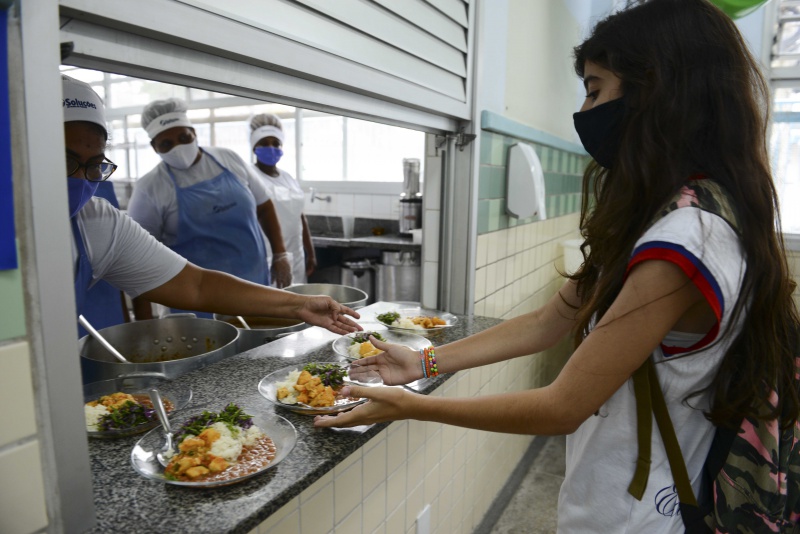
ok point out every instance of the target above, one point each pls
(650, 401)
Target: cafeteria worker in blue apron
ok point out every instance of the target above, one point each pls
(206, 203)
(110, 246)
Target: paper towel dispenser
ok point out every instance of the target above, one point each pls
(525, 194)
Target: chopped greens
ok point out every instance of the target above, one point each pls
(388, 317)
(363, 337)
(128, 415)
(233, 416)
(330, 374)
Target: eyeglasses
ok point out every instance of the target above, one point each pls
(94, 172)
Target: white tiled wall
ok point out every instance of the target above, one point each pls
(22, 498)
(354, 205)
(383, 486)
(516, 268)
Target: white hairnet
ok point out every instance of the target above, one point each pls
(265, 125)
(160, 115)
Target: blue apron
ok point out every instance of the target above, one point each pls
(101, 304)
(218, 228)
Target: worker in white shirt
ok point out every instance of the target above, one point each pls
(266, 140)
(205, 203)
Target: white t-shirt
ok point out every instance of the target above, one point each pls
(289, 201)
(154, 204)
(601, 454)
(121, 252)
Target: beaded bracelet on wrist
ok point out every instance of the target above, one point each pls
(427, 358)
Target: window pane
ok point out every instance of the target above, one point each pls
(375, 152)
(322, 148)
(785, 156)
(235, 136)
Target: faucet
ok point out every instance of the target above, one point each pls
(313, 192)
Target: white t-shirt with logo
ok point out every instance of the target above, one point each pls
(154, 204)
(601, 454)
(121, 252)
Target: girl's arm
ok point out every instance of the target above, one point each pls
(654, 297)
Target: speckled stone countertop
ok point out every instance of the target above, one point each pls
(128, 502)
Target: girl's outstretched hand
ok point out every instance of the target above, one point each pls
(396, 364)
(385, 404)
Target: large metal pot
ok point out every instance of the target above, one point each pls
(262, 329)
(349, 296)
(169, 347)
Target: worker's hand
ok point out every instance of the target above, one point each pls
(323, 311)
(396, 364)
(282, 269)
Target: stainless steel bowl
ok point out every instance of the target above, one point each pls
(168, 347)
(349, 296)
(262, 329)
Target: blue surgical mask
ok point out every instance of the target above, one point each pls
(79, 191)
(268, 155)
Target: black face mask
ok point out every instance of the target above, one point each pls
(600, 129)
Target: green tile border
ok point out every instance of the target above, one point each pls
(494, 122)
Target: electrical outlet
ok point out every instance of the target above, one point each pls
(424, 520)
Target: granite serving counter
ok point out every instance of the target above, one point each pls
(127, 502)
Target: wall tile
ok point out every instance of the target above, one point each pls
(271, 523)
(374, 466)
(22, 500)
(483, 216)
(347, 491)
(322, 520)
(374, 508)
(15, 368)
(352, 523)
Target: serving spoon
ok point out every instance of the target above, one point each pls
(103, 341)
(244, 323)
(161, 413)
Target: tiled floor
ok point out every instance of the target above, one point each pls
(532, 509)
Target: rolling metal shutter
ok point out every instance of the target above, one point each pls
(403, 62)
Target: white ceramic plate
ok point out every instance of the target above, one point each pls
(409, 312)
(342, 345)
(279, 430)
(268, 388)
(137, 386)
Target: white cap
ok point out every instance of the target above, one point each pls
(81, 103)
(161, 115)
(265, 131)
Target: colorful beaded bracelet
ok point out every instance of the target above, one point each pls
(427, 357)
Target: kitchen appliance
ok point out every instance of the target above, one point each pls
(168, 348)
(349, 296)
(398, 276)
(410, 198)
(262, 329)
(359, 274)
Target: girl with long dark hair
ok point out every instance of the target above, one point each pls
(684, 267)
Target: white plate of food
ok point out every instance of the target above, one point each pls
(417, 320)
(312, 388)
(121, 407)
(356, 345)
(216, 445)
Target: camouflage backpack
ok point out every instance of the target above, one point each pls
(751, 477)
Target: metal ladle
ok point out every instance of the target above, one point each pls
(161, 413)
(95, 334)
(244, 323)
